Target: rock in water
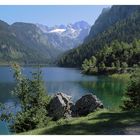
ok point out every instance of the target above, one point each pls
(60, 106)
(87, 104)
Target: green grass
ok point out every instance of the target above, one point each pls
(96, 123)
(123, 76)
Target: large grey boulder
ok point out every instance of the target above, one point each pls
(87, 104)
(60, 106)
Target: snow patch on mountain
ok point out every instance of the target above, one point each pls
(57, 31)
(66, 36)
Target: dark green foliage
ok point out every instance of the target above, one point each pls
(109, 17)
(132, 98)
(116, 57)
(32, 101)
(125, 30)
(90, 66)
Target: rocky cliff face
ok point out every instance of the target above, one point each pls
(66, 37)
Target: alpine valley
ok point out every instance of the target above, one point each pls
(112, 44)
(28, 43)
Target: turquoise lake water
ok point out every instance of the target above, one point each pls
(68, 80)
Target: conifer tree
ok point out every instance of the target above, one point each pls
(132, 99)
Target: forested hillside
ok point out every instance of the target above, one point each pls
(109, 17)
(25, 43)
(125, 30)
(118, 57)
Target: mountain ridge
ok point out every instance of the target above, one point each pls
(68, 36)
(24, 43)
(108, 17)
(125, 30)
(27, 43)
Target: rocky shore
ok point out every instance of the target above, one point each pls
(62, 106)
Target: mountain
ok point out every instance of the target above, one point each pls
(35, 43)
(119, 23)
(66, 37)
(109, 17)
(32, 37)
(25, 43)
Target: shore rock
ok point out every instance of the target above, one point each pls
(60, 106)
(87, 104)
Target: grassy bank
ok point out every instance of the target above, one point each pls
(123, 76)
(96, 123)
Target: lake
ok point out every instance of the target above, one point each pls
(68, 80)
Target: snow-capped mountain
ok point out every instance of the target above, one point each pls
(66, 36)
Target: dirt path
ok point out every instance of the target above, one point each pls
(129, 130)
(132, 130)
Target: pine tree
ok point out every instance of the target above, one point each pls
(132, 99)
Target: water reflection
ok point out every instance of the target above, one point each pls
(69, 81)
(109, 91)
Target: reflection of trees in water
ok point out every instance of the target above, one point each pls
(5, 91)
(110, 91)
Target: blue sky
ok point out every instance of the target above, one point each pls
(50, 15)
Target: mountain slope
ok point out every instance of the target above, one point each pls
(125, 30)
(10, 47)
(109, 17)
(32, 37)
(24, 43)
(66, 37)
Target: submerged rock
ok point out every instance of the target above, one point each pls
(60, 106)
(87, 104)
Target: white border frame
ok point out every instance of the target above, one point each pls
(70, 2)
